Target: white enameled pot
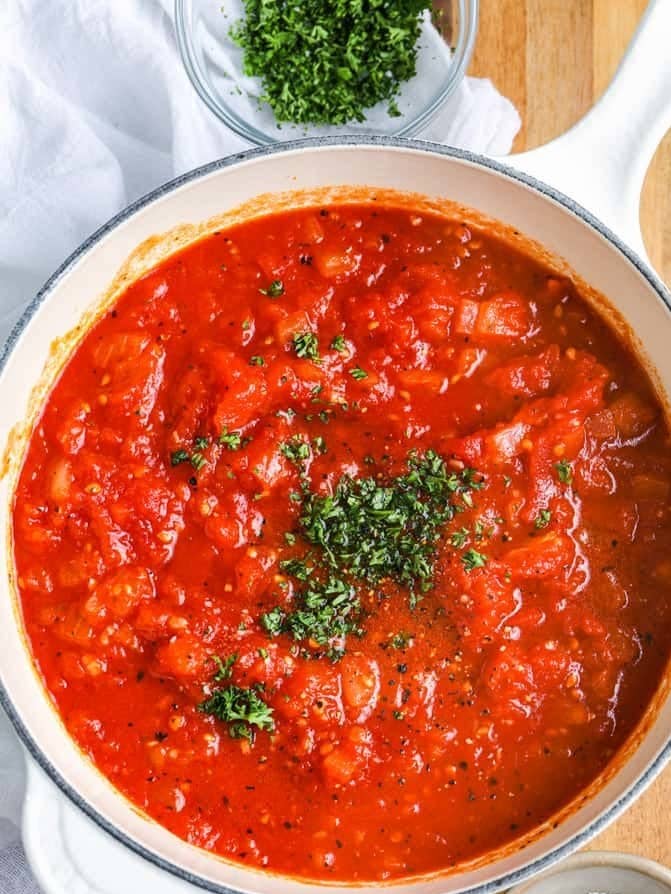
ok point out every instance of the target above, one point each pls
(601, 163)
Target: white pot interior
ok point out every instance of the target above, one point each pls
(494, 194)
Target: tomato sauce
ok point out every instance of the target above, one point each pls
(162, 495)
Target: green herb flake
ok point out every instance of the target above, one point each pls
(298, 568)
(296, 450)
(357, 373)
(273, 621)
(178, 457)
(274, 290)
(256, 360)
(242, 709)
(472, 559)
(458, 538)
(339, 344)
(564, 471)
(224, 667)
(543, 519)
(198, 461)
(232, 440)
(400, 640)
(306, 344)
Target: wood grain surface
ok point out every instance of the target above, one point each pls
(553, 59)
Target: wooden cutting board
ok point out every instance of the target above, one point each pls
(553, 59)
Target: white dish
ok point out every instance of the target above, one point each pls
(70, 854)
(601, 872)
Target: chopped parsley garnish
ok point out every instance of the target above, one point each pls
(358, 373)
(232, 440)
(290, 538)
(298, 568)
(197, 460)
(400, 640)
(366, 530)
(327, 61)
(472, 559)
(319, 444)
(224, 667)
(374, 530)
(324, 611)
(273, 621)
(543, 519)
(339, 344)
(564, 471)
(274, 290)
(256, 360)
(296, 450)
(458, 538)
(306, 344)
(242, 709)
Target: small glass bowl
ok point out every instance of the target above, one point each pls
(214, 65)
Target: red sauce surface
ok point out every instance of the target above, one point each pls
(445, 730)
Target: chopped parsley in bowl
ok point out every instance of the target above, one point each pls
(325, 62)
(279, 71)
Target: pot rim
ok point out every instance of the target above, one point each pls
(537, 865)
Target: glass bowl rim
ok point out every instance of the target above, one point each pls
(462, 52)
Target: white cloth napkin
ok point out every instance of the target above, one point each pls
(95, 110)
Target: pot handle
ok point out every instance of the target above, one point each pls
(601, 161)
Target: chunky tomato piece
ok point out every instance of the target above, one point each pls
(506, 315)
(528, 375)
(131, 365)
(243, 392)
